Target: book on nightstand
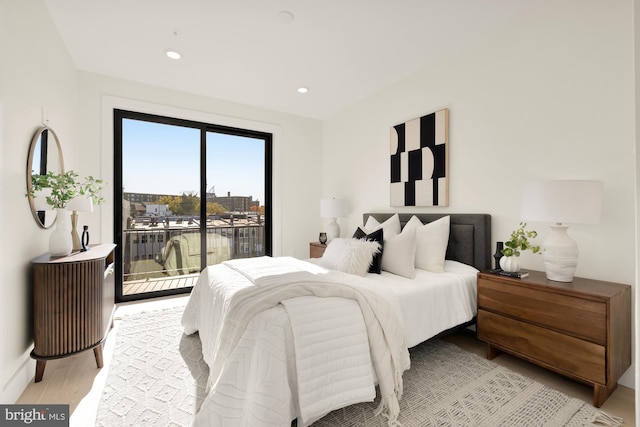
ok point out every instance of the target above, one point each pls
(515, 274)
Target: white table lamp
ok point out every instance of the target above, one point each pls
(78, 204)
(560, 202)
(333, 208)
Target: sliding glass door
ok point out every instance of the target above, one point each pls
(236, 219)
(188, 194)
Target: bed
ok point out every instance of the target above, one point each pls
(271, 362)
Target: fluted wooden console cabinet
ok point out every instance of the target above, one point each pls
(73, 304)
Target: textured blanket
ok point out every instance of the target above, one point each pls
(278, 279)
(332, 364)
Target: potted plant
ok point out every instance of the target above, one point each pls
(64, 187)
(519, 241)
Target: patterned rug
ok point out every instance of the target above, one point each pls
(157, 378)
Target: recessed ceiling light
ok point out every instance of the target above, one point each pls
(173, 54)
(303, 89)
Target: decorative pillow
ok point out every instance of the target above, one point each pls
(391, 226)
(376, 236)
(399, 254)
(349, 255)
(432, 240)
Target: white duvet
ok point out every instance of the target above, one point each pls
(226, 301)
(433, 302)
(271, 378)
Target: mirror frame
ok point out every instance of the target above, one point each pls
(32, 147)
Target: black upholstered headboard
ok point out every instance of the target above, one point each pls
(469, 235)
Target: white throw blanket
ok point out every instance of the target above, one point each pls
(332, 366)
(278, 279)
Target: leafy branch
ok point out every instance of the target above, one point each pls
(65, 187)
(519, 241)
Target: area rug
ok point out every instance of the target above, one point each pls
(157, 378)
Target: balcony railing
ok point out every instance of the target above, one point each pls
(172, 249)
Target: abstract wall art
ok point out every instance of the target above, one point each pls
(420, 161)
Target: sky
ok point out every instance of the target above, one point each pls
(164, 159)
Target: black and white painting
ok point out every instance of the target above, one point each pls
(419, 161)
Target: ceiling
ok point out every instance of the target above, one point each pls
(258, 52)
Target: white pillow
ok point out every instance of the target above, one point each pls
(390, 228)
(414, 222)
(432, 240)
(349, 255)
(399, 254)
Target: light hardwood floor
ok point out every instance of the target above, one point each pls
(76, 381)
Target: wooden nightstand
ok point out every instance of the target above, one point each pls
(580, 329)
(316, 249)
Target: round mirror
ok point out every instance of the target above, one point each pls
(45, 155)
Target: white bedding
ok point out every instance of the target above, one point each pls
(433, 302)
(259, 382)
(338, 372)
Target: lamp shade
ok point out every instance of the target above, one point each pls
(80, 204)
(333, 208)
(568, 201)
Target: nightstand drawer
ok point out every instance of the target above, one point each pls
(563, 353)
(579, 317)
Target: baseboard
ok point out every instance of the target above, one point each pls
(628, 379)
(12, 390)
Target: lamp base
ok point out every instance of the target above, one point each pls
(333, 230)
(560, 255)
(74, 232)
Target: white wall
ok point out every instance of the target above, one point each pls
(550, 96)
(38, 72)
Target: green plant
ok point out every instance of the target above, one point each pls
(519, 241)
(65, 186)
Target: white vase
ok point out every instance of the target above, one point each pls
(509, 263)
(60, 241)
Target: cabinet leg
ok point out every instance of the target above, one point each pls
(492, 352)
(40, 365)
(601, 393)
(97, 351)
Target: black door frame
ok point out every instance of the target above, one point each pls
(118, 116)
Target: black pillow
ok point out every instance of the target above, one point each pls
(375, 236)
